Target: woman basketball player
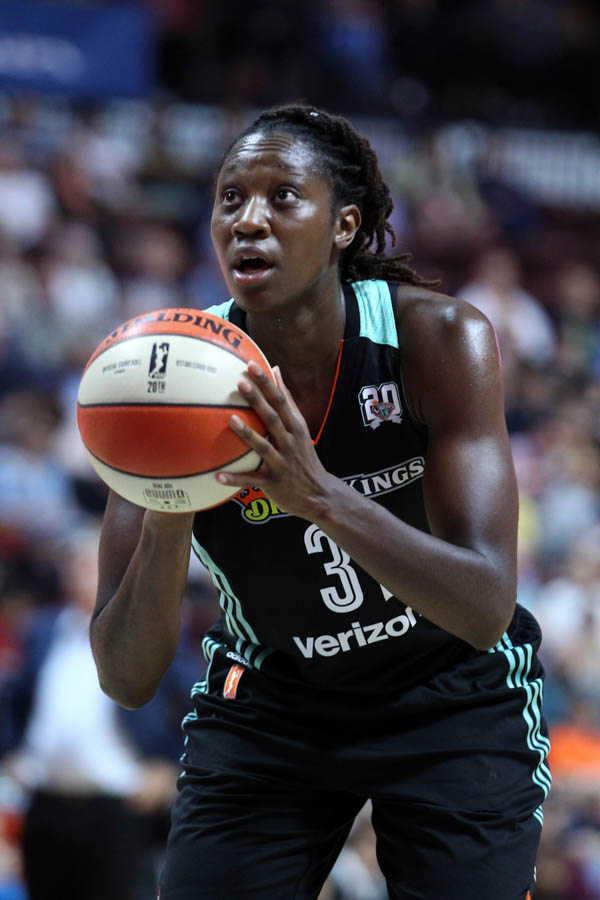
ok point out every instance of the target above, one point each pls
(369, 645)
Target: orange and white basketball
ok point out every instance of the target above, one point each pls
(154, 405)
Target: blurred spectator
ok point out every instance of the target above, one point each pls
(107, 159)
(83, 292)
(35, 492)
(569, 498)
(568, 862)
(577, 305)
(73, 187)
(530, 394)
(353, 45)
(522, 324)
(575, 754)
(22, 315)
(98, 779)
(155, 257)
(20, 287)
(568, 611)
(443, 198)
(26, 198)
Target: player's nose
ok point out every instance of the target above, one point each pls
(253, 218)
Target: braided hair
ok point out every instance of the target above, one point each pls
(352, 167)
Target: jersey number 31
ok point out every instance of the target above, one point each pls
(351, 595)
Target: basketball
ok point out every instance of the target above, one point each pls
(154, 405)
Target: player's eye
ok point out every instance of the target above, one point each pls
(285, 193)
(229, 195)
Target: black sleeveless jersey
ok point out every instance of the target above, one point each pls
(294, 605)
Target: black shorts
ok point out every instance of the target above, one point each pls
(455, 769)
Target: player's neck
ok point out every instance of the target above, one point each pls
(304, 340)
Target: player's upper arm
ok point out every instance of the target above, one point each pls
(453, 380)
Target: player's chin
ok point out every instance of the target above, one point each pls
(259, 294)
(256, 303)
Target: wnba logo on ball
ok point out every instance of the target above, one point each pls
(158, 360)
(159, 432)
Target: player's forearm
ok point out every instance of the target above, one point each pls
(134, 637)
(457, 588)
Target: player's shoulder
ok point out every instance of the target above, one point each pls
(449, 354)
(425, 317)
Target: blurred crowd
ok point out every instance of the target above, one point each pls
(499, 61)
(104, 214)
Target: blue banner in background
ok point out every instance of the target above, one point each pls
(78, 51)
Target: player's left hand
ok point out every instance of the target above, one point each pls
(290, 474)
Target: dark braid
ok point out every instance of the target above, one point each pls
(351, 165)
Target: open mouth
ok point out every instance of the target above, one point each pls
(252, 265)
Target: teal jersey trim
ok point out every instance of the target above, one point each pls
(230, 604)
(200, 687)
(221, 309)
(519, 661)
(377, 321)
(247, 644)
(208, 650)
(504, 643)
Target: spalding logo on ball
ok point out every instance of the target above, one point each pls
(154, 405)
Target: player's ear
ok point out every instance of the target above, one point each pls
(347, 223)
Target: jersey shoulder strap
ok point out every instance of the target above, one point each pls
(376, 311)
